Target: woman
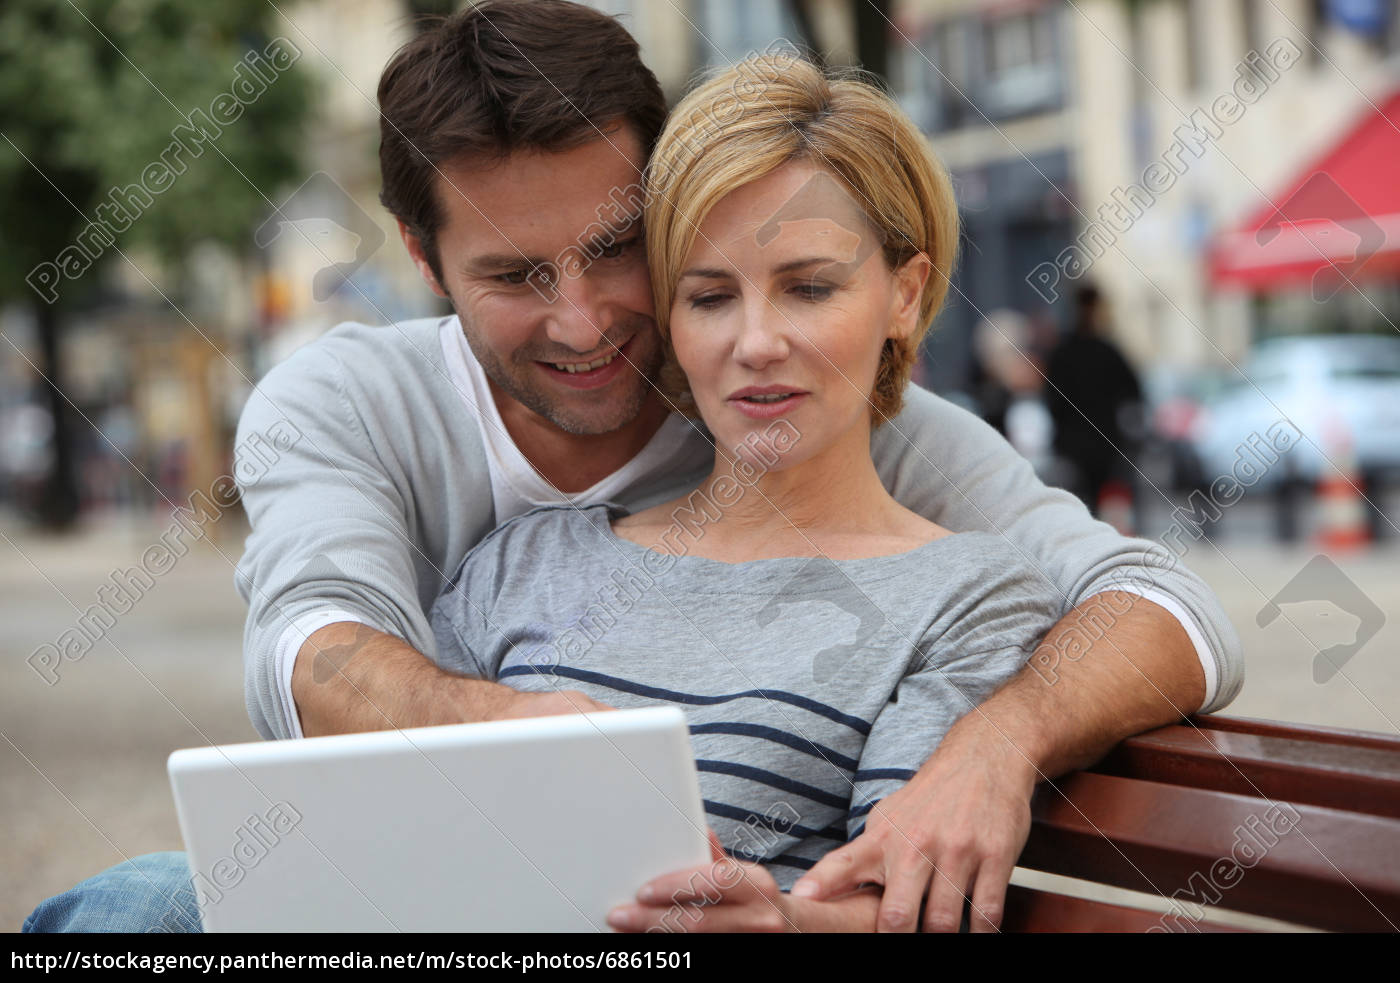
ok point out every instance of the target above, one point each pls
(820, 637)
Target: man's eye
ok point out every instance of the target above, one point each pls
(514, 277)
(616, 249)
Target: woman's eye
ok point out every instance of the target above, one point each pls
(707, 302)
(813, 291)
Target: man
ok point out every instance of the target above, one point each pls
(1090, 388)
(513, 135)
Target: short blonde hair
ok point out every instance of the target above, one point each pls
(752, 118)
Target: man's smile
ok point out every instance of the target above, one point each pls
(593, 373)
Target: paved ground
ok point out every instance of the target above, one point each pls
(82, 761)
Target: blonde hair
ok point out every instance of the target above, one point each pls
(752, 118)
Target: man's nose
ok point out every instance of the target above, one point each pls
(762, 336)
(580, 316)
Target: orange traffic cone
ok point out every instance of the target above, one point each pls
(1341, 508)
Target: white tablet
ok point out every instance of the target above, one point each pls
(537, 825)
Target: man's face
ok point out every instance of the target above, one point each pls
(534, 326)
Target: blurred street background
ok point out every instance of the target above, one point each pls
(1178, 296)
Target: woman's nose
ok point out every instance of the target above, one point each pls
(762, 336)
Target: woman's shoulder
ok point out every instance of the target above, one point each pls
(538, 538)
(988, 593)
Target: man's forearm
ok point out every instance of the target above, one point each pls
(965, 815)
(1138, 673)
(349, 677)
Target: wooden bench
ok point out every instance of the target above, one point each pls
(1289, 822)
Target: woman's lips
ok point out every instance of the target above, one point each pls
(767, 410)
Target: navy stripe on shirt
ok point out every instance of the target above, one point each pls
(872, 774)
(861, 810)
(773, 780)
(749, 817)
(694, 699)
(792, 860)
(779, 737)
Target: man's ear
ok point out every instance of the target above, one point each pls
(420, 258)
(909, 281)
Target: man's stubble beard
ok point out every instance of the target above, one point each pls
(645, 371)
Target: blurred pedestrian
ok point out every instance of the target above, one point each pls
(1010, 391)
(1094, 397)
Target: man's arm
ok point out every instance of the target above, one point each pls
(956, 829)
(349, 677)
(330, 527)
(952, 468)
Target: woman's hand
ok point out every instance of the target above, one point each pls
(721, 896)
(952, 833)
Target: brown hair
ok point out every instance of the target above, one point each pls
(756, 116)
(497, 78)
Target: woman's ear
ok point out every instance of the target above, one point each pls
(909, 281)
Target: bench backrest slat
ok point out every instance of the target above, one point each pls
(1333, 869)
(1358, 779)
(1306, 732)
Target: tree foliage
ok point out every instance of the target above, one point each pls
(90, 92)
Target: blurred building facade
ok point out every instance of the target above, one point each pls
(1044, 110)
(1048, 110)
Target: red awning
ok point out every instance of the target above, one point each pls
(1340, 218)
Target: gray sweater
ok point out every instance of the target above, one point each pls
(813, 687)
(385, 488)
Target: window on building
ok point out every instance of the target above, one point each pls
(1195, 44)
(1254, 39)
(733, 29)
(1140, 119)
(910, 77)
(952, 75)
(1314, 28)
(1021, 70)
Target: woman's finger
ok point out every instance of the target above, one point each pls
(699, 919)
(708, 884)
(716, 847)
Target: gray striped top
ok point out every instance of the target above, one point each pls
(813, 687)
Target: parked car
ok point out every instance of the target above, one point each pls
(1175, 399)
(1342, 392)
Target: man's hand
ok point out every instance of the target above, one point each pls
(953, 832)
(966, 814)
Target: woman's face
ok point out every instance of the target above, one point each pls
(782, 310)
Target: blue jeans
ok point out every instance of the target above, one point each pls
(146, 894)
